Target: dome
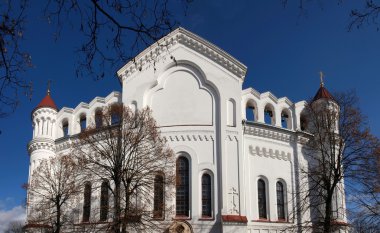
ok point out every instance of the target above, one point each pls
(323, 93)
(47, 102)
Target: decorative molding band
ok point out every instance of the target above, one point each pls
(190, 40)
(268, 131)
(269, 153)
(276, 133)
(189, 138)
(41, 143)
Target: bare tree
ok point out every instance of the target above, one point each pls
(15, 227)
(368, 13)
(13, 60)
(113, 32)
(339, 155)
(125, 148)
(54, 185)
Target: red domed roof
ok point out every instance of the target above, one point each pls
(323, 93)
(47, 102)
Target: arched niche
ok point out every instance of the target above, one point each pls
(182, 97)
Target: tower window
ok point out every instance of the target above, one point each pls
(182, 187)
(206, 196)
(262, 199)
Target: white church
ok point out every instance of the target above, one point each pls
(240, 150)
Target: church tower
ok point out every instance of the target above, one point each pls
(44, 124)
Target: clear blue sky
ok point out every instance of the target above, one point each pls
(283, 53)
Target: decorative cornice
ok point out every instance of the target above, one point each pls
(190, 40)
(269, 153)
(188, 138)
(41, 143)
(45, 110)
(273, 132)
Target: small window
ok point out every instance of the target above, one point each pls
(250, 111)
(206, 196)
(262, 199)
(98, 119)
(65, 128)
(284, 120)
(116, 113)
(280, 201)
(86, 202)
(82, 122)
(182, 187)
(269, 116)
(158, 202)
(104, 199)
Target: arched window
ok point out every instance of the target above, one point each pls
(158, 202)
(261, 193)
(250, 111)
(206, 196)
(82, 122)
(65, 128)
(280, 201)
(285, 120)
(116, 113)
(231, 112)
(303, 122)
(182, 187)
(104, 199)
(86, 202)
(269, 115)
(98, 118)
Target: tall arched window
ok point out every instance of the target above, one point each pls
(86, 202)
(158, 202)
(262, 198)
(206, 196)
(98, 118)
(104, 199)
(65, 128)
(82, 122)
(280, 201)
(182, 187)
(250, 111)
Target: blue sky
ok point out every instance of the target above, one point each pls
(283, 53)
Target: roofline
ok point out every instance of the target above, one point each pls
(183, 36)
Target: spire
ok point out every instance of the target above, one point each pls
(321, 75)
(48, 87)
(322, 92)
(47, 101)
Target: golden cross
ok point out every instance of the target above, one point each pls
(48, 86)
(321, 75)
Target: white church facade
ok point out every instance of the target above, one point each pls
(240, 148)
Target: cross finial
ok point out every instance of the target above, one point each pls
(321, 76)
(48, 87)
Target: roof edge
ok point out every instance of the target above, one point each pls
(183, 36)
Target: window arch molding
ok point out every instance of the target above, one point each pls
(284, 203)
(98, 115)
(207, 172)
(266, 199)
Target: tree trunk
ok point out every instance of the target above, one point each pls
(327, 218)
(58, 219)
(117, 211)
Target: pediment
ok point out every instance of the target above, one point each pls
(191, 41)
